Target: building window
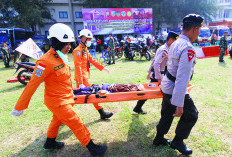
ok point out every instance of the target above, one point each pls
(78, 14)
(63, 14)
(221, 1)
(226, 13)
(220, 14)
(227, 1)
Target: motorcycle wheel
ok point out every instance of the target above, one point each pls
(148, 56)
(119, 54)
(23, 79)
(137, 54)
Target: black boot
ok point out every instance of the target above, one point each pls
(178, 144)
(160, 140)
(104, 114)
(113, 62)
(52, 144)
(96, 150)
(138, 107)
(109, 63)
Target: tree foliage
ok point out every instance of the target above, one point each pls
(26, 14)
(164, 11)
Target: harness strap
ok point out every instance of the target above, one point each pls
(86, 98)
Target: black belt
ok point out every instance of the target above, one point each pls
(172, 78)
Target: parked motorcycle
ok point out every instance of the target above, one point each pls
(153, 47)
(119, 51)
(26, 72)
(142, 51)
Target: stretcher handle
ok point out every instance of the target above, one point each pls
(128, 93)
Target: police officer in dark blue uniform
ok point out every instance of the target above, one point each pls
(176, 100)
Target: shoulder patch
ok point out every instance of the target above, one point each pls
(165, 53)
(191, 54)
(58, 67)
(38, 73)
(78, 53)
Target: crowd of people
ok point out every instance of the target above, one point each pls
(172, 68)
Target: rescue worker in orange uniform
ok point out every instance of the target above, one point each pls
(82, 57)
(53, 68)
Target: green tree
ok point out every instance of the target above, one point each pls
(26, 14)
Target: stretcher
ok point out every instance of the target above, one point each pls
(151, 91)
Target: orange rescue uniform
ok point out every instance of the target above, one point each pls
(82, 57)
(58, 96)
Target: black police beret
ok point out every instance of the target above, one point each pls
(172, 34)
(193, 18)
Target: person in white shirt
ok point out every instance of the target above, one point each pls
(176, 100)
(157, 67)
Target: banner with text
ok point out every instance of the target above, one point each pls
(117, 20)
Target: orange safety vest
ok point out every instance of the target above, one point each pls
(82, 57)
(56, 75)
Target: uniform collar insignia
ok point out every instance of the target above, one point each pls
(56, 55)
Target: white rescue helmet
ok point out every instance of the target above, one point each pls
(87, 33)
(62, 32)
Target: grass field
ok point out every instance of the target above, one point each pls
(126, 133)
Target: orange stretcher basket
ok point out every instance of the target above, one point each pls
(152, 91)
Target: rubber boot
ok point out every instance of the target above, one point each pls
(104, 114)
(96, 150)
(138, 107)
(52, 144)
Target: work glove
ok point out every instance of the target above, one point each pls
(81, 86)
(15, 112)
(107, 70)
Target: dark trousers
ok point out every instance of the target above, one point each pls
(186, 122)
(111, 55)
(222, 55)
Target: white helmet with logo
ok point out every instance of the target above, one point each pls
(87, 33)
(62, 32)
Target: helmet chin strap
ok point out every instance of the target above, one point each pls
(84, 42)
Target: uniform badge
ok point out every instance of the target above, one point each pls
(38, 73)
(83, 53)
(78, 53)
(191, 54)
(58, 67)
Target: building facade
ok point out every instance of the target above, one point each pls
(224, 14)
(68, 12)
